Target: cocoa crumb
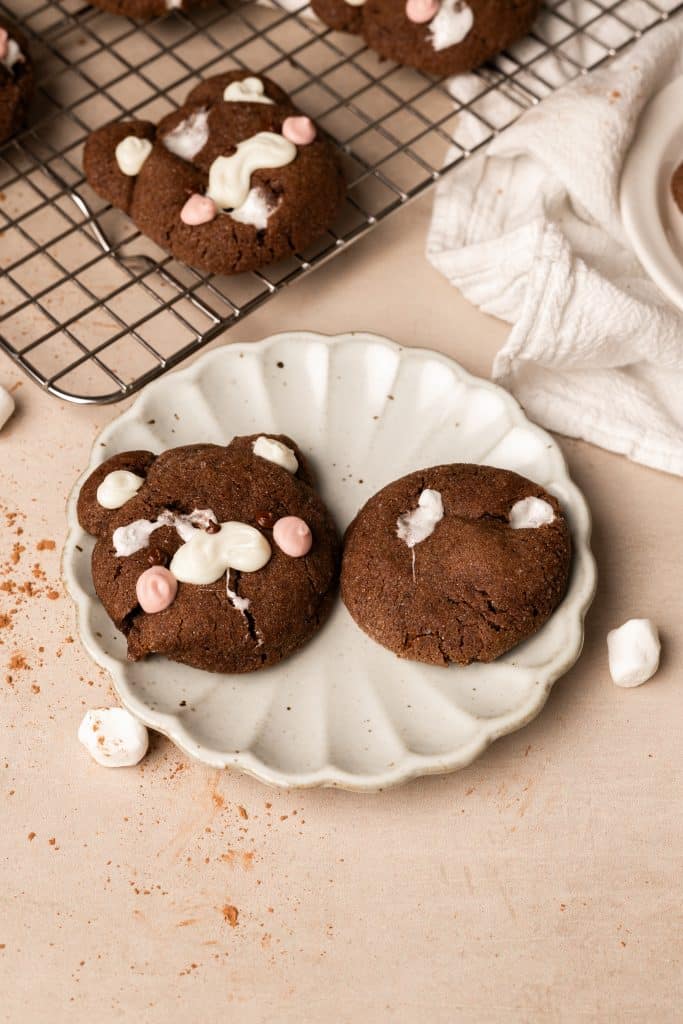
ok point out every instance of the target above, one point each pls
(230, 914)
(31, 836)
(46, 545)
(243, 812)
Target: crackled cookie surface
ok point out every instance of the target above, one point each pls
(222, 558)
(456, 564)
(235, 179)
(16, 80)
(677, 187)
(441, 37)
(141, 10)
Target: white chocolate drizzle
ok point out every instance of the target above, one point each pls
(230, 176)
(275, 451)
(118, 487)
(207, 556)
(247, 90)
(131, 154)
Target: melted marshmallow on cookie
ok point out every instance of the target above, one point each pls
(275, 451)
(190, 136)
(452, 23)
(207, 556)
(415, 526)
(135, 536)
(530, 513)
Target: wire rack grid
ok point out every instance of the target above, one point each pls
(90, 309)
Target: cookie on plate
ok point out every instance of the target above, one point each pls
(677, 187)
(234, 180)
(16, 80)
(441, 37)
(456, 564)
(223, 558)
(142, 10)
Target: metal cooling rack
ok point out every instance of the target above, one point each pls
(91, 309)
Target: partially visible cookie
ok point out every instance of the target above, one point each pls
(234, 180)
(677, 187)
(456, 564)
(225, 559)
(143, 10)
(441, 37)
(16, 80)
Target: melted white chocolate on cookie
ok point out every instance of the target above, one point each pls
(230, 176)
(207, 556)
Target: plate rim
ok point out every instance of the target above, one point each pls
(413, 765)
(638, 195)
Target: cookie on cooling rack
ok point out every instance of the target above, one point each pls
(456, 563)
(234, 180)
(677, 187)
(223, 558)
(142, 10)
(441, 37)
(16, 80)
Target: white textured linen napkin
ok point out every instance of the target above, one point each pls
(530, 231)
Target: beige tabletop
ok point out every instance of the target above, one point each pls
(540, 884)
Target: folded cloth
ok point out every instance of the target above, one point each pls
(530, 231)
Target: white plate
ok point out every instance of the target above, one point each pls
(342, 711)
(652, 220)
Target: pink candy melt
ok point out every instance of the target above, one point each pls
(293, 536)
(4, 39)
(156, 589)
(198, 210)
(421, 11)
(299, 130)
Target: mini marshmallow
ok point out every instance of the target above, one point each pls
(131, 154)
(117, 488)
(530, 513)
(6, 406)
(198, 210)
(156, 589)
(113, 737)
(633, 652)
(275, 451)
(415, 526)
(293, 536)
(421, 11)
(299, 130)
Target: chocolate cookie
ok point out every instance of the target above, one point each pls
(142, 10)
(221, 558)
(234, 180)
(16, 80)
(455, 563)
(441, 37)
(677, 187)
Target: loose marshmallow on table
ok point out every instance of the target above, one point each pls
(113, 737)
(275, 451)
(633, 652)
(6, 406)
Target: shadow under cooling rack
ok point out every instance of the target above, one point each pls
(91, 309)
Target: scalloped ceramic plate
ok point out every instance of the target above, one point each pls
(652, 220)
(342, 711)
